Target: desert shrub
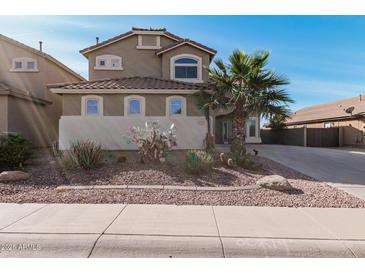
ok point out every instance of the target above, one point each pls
(84, 154)
(15, 150)
(238, 158)
(152, 142)
(122, 159)
(198, 162)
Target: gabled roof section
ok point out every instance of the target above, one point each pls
(144, 84)
(158, 31)
(42, 54)
(6, 89)
(340, 109)
(187, 42)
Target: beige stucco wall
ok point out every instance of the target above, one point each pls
(135, 62)
(185, 49)
(36, 84)
(31, 120)
(3, 114)
(113, 105)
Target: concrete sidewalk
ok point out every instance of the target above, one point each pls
(87, 230)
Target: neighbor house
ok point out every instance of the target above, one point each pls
(26, 105)
(138, 76)
(349, 114)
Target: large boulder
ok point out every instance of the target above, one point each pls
(275, 182)
(15, 175)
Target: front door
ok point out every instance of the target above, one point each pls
(225, 132)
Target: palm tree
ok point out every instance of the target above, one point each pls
(277, 122)
(251, 88)
(208, 101)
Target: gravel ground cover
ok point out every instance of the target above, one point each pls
(46, 175)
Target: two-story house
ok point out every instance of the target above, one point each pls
(26, 105)
(138, 76)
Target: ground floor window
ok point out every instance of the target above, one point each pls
(252, 127)
(92, 105)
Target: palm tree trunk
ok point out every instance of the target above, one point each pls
(209, 138)
(239, 131)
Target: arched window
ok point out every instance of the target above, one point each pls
(24, 64)
(92, 105)
(108, 62)
(176, 105)
(186, 67)
(134, 105)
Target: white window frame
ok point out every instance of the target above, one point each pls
(24, 61)
(256, 127)
(84, 100)
(141, 46)
(142, 102)
(183, 105)
(108, 62)
(191, 56)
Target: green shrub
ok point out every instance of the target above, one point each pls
(15, 150)
(84, 154)
(198, 162)
(238, 158)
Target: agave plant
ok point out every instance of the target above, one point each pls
(85, 154)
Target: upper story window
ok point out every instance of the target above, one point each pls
(24, 64)
(148, 41)
(108, 62)
(176, 105)
(186, 68)
(134, 105)
(92, 105)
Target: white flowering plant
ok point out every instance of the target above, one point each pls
(153, 143)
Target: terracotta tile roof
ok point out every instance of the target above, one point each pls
(179, 40)
(150, 29)
(186, 41)
(329, 111)
(41, 53)
(147, 83)
(6, 89)
(111, 40)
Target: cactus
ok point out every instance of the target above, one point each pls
(230, 162)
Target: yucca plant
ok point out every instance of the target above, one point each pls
(198, 162)
(86, 154)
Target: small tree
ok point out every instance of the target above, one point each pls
(153, 143)
(208, 101)
(277, 121)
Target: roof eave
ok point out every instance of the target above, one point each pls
(331, 119)
(212, 53)
(103, 44)
(123, 91)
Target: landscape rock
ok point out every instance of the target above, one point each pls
(275, 182)
(15, 175)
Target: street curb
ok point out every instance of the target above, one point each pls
(159, 187)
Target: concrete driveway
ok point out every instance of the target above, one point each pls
(343, 167)
(326, 164)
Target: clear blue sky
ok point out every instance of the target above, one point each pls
(323, 56)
